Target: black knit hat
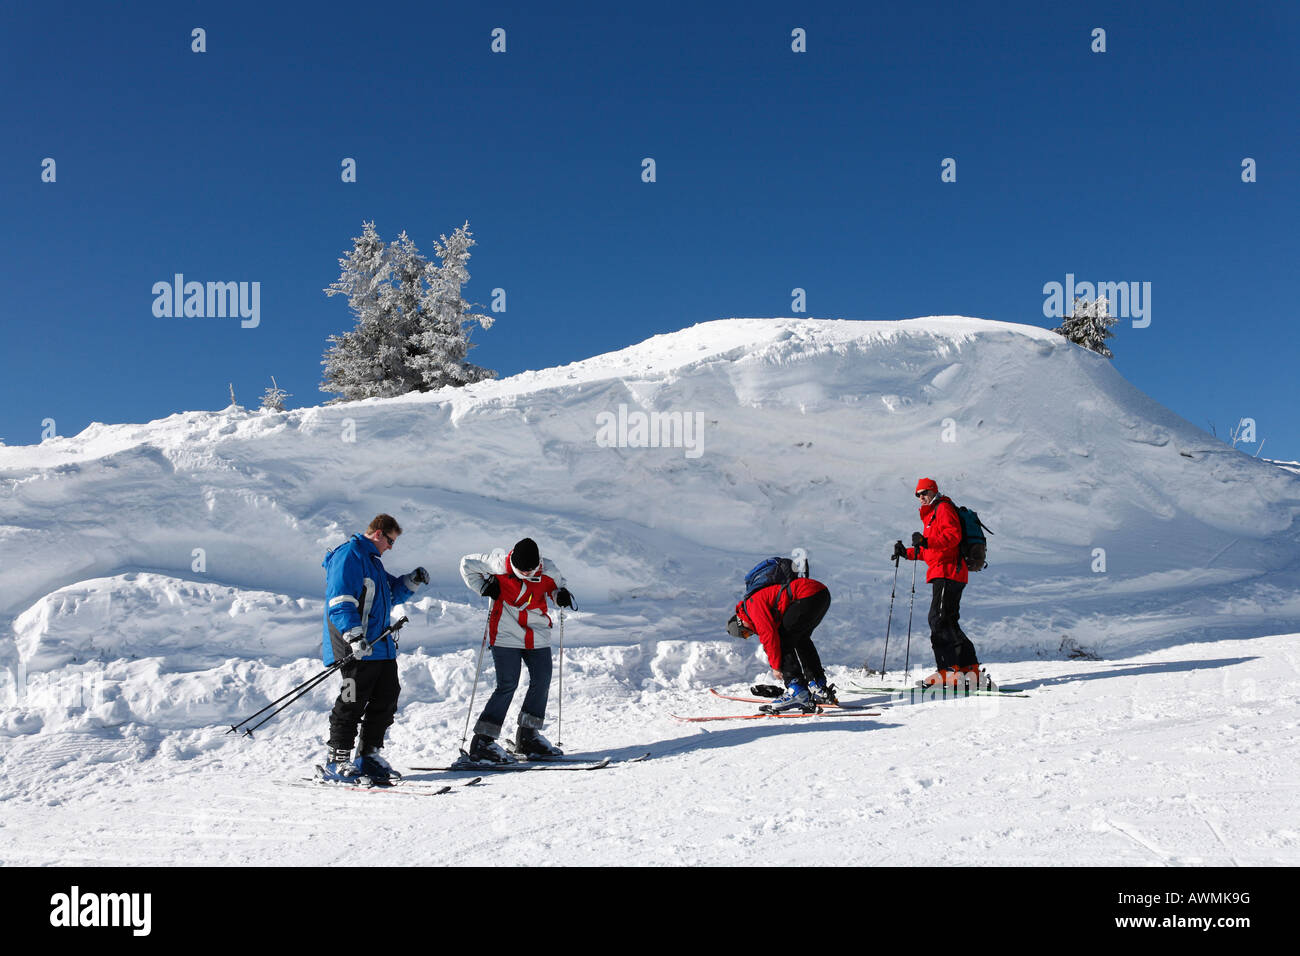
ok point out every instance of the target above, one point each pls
(524, 556)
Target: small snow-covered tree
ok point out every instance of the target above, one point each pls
(1089, 325)
(273, 398)
(362, 363)
(442, 344)
(410, 319)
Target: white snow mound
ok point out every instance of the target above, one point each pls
(160, 581)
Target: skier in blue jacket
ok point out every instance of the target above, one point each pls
(359, 600)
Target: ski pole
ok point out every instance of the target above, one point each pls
(889, 620)
(318, 679)
(234, 728)
(309, 684)
(303, 688)
(559, 733)
(907, 661)
(477, 668)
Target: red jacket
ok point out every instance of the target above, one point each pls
(763, 610)
(520, 616)
(942, 533)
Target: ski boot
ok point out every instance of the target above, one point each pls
(944, 677)
(371, 764)
(823, 693)
(796, 697)
(485, 749)
(339, 768)
(977, 678)
(532, 745)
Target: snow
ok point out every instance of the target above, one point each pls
(161, 581)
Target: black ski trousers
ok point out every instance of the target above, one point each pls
(369, 697)
(799, 658)
(952, 648)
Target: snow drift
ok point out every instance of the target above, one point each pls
(160, 580)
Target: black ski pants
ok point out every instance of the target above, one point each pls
(952, 648)
(369, 697)
(799, 658)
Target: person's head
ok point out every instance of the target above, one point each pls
(525, 559)
(737, 628)
(926, 491)
(383, 531)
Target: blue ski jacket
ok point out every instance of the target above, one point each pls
(359, 593)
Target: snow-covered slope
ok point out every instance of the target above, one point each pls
(158, 580)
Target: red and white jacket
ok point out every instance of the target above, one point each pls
(763, 611)
(519, 616)
(942, 554)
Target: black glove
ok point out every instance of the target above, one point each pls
(492, 589)
(563, 598)
(420, 575)
(918, 540)
(899, 551)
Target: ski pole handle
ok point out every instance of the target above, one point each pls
(387, 632)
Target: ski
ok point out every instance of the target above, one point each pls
(940, 692)
(520, 767)
(411, 788)
(951, 691)
(768, 700)
(565, 758)
(838, 713)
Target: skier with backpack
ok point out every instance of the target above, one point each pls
(518, 582)
(783, 606)
(951, 545)
(359, 600)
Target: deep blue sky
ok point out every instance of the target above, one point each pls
(775, 170)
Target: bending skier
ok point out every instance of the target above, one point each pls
(519, 582)
(359, 600)
(939, 546)
(784, 616)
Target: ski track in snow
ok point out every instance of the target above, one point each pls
(160, 581)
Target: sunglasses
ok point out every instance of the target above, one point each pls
(391, 541)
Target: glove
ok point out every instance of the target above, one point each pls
(563, 598)
(360, 646)
(491, 589)
(416, 578)
(899, 551)
(918, 540)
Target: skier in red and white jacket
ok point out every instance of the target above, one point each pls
(519, 582)
(939, 546)
(784, 617)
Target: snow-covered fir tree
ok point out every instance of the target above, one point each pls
(442, 344)
(1089, 325)
(273, 398)
(410, 332)
(360, 363)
